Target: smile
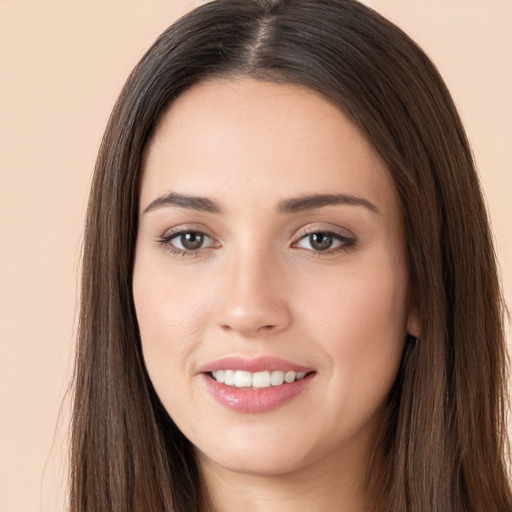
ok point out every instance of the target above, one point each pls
(256, 380)
(259, 385)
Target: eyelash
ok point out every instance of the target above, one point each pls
(166, 241)
(345, 243)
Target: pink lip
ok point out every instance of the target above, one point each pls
(258, 364)
(254, 400)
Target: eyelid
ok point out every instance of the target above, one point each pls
(313, 228)
(346, 237)
(186, 228)
(165, 240)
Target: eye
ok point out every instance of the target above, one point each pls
(324, 241)
(189, 241)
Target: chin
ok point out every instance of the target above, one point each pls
(263, 458)
(261, 465)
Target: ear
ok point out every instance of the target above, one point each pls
(413, 322)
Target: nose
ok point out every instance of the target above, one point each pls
(255, 301)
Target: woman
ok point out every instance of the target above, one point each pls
(289, 292)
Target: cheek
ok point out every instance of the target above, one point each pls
(359, 326)
(170, 315)
(169, 323)
(167, 309)
(359, 321)
(362, 302)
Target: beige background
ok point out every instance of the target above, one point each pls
(62, 64)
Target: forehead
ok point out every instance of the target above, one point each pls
(260, 140)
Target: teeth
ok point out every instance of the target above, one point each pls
(258, 380)
(229, 377)
(261, 380)
(289, 377)
(243, 379)
(276, 378)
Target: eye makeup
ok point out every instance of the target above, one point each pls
(188, 241)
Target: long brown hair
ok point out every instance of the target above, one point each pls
(444, 441)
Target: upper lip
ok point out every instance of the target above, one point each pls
(253, 365)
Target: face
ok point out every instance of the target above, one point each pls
(270, 278)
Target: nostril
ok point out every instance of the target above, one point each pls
(248, 330)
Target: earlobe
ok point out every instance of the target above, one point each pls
(413, 324)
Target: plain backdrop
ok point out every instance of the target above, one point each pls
(62, 64)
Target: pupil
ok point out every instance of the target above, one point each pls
(321, 241)
(192, 241)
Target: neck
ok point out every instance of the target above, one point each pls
(321, 486)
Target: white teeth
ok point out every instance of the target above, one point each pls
(229, 377)
(259, 380)
(277, 378)
(243, 379)
(289, 377)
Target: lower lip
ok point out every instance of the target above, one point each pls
(255, 400)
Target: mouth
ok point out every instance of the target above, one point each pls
(255, 385)
(257, 380)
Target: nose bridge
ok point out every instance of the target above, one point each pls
(255, 299)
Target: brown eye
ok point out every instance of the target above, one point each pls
(189, 241)
(321, 241)
(324, 241)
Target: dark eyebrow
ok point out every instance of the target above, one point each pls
(201, 204)
(293, 205)
(320, 200)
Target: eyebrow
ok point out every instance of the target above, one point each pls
(313, 202)
(202, 204)
(293, 205)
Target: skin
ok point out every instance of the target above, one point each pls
(258, 286)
